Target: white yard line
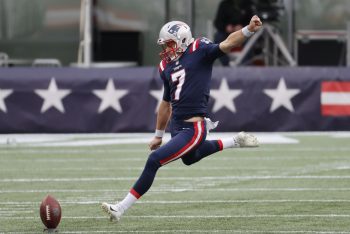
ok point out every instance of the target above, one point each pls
(339, 165)
(206, 178)
(171, 202)
(199, 231)
(7, 212)
(144, 159)
(177, 190)
(124, 168)
(245, 201)
(198, 216)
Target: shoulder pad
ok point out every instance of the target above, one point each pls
(199, 41)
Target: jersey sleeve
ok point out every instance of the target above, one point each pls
(212, 51)
(166, 92)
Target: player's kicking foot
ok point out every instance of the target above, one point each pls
(246, 140)
(115, 212)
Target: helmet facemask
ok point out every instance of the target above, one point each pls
(170, 51)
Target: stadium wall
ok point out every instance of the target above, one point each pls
(73, 100)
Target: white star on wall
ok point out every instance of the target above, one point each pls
(157, 94)
(3, 94)
(224, 97)
(110, 97)
(52, 96)
(281, 96)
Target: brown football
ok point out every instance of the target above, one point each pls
(50, 212)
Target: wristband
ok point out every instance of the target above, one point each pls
(159, 133)
(246, 32)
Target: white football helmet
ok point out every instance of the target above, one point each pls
(174, 37)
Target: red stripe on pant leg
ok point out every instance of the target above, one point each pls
(202, 127)
(221, 146)
(136, 194)
(195, 143)
(166, 160)
(201, 136)
(202, 133)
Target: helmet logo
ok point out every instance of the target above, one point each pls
(174, 29)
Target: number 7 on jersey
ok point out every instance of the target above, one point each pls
(178, 79)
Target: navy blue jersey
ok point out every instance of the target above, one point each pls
(187, 80)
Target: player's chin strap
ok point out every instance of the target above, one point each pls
(210, 124)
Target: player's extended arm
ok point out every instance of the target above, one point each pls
(163, 116)
(237, 38)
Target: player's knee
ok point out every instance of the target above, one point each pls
(187, 161)
(152, 161)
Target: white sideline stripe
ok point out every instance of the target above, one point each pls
(20, 180)
(199, 216)
(79, 202)
(199, 231)
(28, 139)
(341, 135)
(52, 140)
(178, 190)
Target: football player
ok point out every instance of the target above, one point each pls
(186, 69)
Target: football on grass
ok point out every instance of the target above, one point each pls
(50, 212)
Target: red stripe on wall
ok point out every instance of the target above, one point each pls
(332, 86)
(335, 110)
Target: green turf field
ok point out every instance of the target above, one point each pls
(277, 188)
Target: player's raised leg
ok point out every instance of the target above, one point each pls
(209, 147)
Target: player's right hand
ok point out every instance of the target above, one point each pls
(255, 24)
(155, 143)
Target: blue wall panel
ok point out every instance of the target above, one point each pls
(124, 99)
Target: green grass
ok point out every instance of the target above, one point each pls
(296, 188)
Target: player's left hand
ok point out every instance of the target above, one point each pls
(255, 24)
